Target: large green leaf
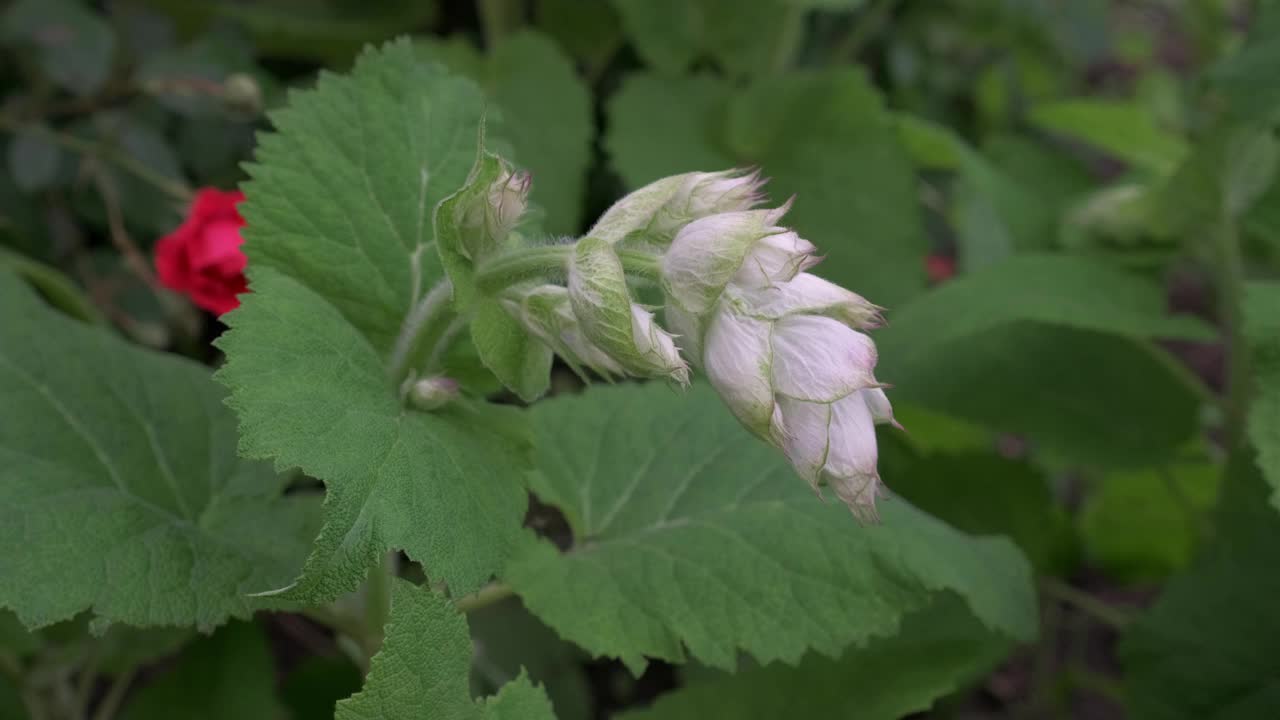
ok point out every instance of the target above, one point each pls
(1000, 497)
(340, 257)
(1125, 130)
(120, 490)
(230, 676)
(1207, 649)
(937, 651)
(422, 670)
(547, 111)
(1051, 346)
(743, 37)
(823, 136)
(1262, 330)
(72, 44)
(690, 533)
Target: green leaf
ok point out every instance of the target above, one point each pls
(229, 676)
(590, 32)
(120, 491)
(339, 243)
(1228, 171)
(690, 533)
(743, 37)
(1125, 130)
(804, 130)
(547, 110)
(1262, 331)
(1207, 649)
(1141, 526)
(1053, 289)
(311, 690)
(1245, 78)
(423, 667)
(939, 650)
(1088, 397)
(34, 159)
(1001, 497)
(73, 46)
(505, 636)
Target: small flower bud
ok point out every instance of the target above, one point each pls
(433, 393)
(546, 313)
(655, 212)
(709, 253)
(625, 331)
(242, 93)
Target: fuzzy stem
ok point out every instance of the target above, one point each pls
(498, 273)
(484, 597)
(1106, 614)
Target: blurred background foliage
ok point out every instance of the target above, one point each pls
(1040, 191)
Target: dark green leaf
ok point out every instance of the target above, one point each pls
(120, 490)
(692, 535)
(1262, 331)
(72, 44)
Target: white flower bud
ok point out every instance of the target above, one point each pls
(433, 393)
(625, 331)
(706, 255)
(545, 313)
(508, 199)
(805, 383)
(775, 259)
(810, 295)
(654, 213)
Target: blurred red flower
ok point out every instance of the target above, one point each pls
(202, 258)
(939, 268)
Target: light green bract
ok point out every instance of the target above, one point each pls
(424, 668)
(342, 261)
(693, 537)
(120, 489)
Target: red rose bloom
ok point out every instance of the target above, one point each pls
(939, 268)
(202, 258)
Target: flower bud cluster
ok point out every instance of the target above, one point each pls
(784, 348)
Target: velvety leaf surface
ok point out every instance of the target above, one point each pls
(341, 254)
(1207, 649)
(424, 666)
(938, 650)
(120, 489)
(690, 533)
(823, 136)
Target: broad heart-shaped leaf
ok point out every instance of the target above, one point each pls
(823, 136)
(1262, 330)
(1053, 347)
(1207, 649)
(341, 255)
(120, 489)
(690, 533)
(423, 669)
(938, 650)
(547, 109)
(229, 676)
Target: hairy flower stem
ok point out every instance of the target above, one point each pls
(484, 597)
(421, 329)
(498, 273)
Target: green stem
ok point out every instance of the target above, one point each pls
(115, 695)
(498, 18)
(419, 329)
(175, 189)
(1230, 295)
(789, 39)
(486, 596)
(1084, 602)
(500, 272)
(377, 602)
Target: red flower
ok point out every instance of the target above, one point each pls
(202, 258)
(939, 268)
